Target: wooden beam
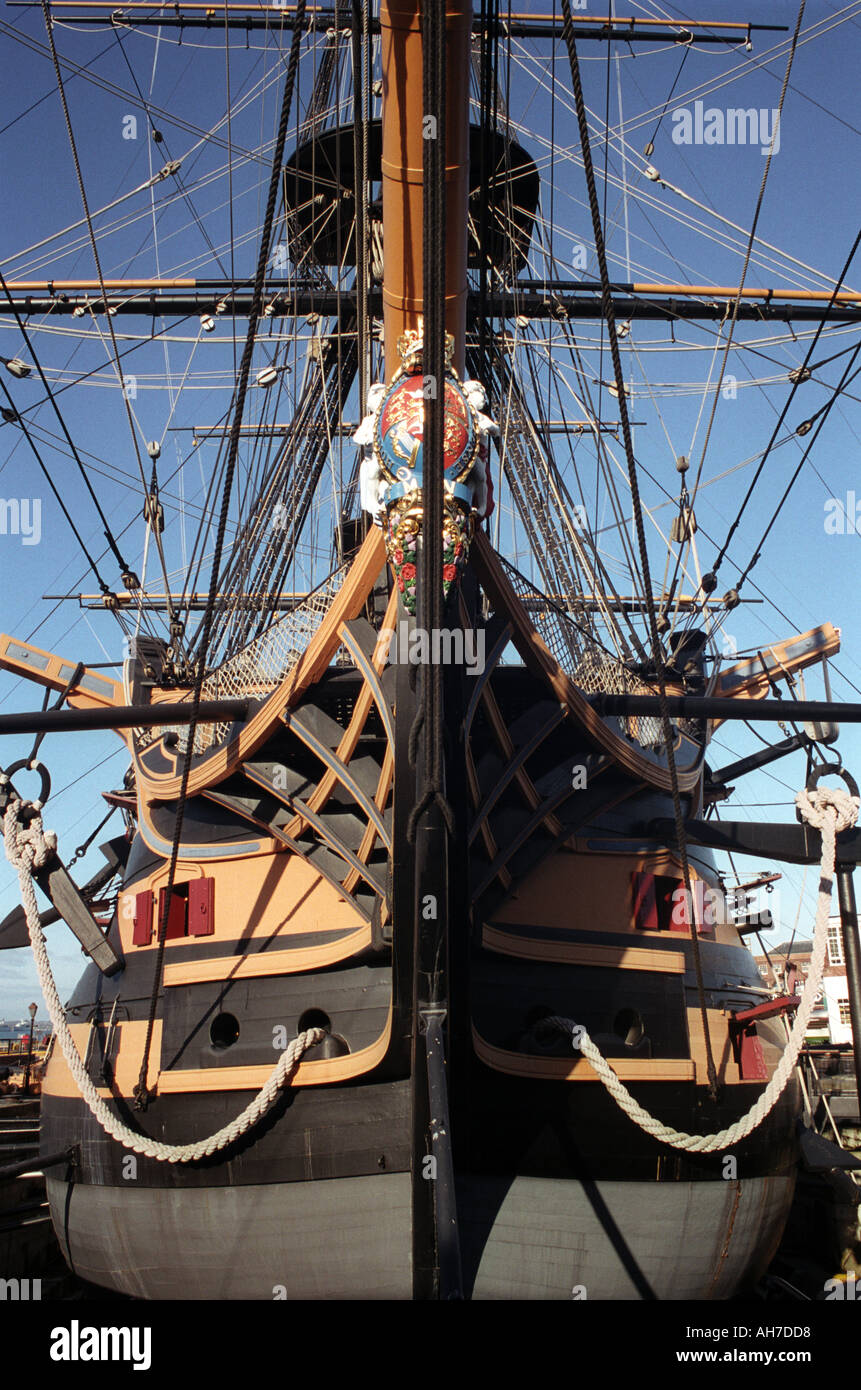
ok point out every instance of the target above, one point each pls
(540, 661)
(218, 763)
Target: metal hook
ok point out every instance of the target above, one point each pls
(831, 769)
(31, 765)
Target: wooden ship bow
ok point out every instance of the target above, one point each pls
(383, 856)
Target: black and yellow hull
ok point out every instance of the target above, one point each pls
(296, 904)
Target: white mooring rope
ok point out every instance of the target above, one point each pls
(828, 811)
(28, 849)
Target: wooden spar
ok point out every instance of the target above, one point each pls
(402, 166)
(755, 677)
(733, 292)
(600, 25)
(717, 708)
(227, 287)
(49, 285)
(602, 20)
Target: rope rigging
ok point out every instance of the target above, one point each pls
(829, 811)
(429, 717)
(141, 1090)
(129, 579)
(19, 421)
(823, 413)
(263, 553)
(173, 164)
(796, 382)
(109, 537)
(744, 269)
(488, 61)
(361, 140)
(657, 655)
(31, 848)
(650, 144)
(79, 70)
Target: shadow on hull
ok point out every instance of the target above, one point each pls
(522, 1238)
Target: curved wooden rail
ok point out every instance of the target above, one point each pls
(216, 764)
(540, 660)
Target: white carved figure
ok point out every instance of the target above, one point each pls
(372, 484)
(479, 475)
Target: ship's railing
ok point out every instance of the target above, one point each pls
(592, 668)
(261, 666)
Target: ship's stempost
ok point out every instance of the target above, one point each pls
(427, 444)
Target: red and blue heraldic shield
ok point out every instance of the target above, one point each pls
(400, 432)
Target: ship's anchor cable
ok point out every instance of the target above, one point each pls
(141, 1090)
(829, 810)
(657, 657)
(28, 848)
(429, 717)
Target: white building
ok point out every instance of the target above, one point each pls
(787, 969)
(836, 986)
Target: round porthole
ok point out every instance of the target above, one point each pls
(223, 1031)
(314, 1018)
(333, 1045)
(543, 1036)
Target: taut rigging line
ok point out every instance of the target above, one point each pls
(826, 410)
(125, 571)
(798, 377)
(744, 269)
(141, 1090)
(657, 655)
(90, 561)
(130, 580)
(161, 140)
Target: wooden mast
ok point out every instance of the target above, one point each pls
(404, 132)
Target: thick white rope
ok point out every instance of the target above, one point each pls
(828, 811)
(30, 848)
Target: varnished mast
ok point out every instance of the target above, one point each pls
(405, 128)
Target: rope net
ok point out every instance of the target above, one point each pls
(592, 668)
(260, 667)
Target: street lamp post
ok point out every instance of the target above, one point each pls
(32, 1012)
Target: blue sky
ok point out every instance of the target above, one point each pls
(810, 211)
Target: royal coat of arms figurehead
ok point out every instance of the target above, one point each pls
(392, 472)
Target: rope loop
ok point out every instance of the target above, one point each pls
(830, 811)
(30, 765)
(814, 804)
(29, 847)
